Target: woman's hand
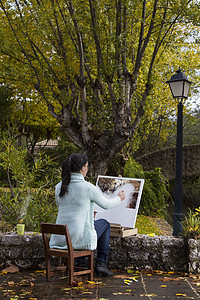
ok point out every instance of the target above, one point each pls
(121, 195)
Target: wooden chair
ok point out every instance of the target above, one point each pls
(70, 254)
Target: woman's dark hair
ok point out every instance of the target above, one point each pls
(71, 165)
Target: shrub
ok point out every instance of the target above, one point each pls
(27, 195)
(155, 192)
(191, 224)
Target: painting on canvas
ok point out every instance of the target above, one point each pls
(124, 214)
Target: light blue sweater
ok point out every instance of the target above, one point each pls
(75, 209)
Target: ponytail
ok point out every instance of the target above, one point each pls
(71, 165)
(66, 176)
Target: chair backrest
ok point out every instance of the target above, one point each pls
(48, 228)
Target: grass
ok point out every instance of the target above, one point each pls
(146, 225)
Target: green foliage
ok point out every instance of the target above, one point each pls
(98, 67)
(5, 105)
(62, 151)
(155, 192)
(191, 224)
(146, 225)
(27, 196)
(191, 191)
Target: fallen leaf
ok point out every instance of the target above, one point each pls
(148, 295)
(183, 295)
(121, 276)
(118, 293)
(39, 271)
(134, 279)
(158, 272)
(128, 282)
(130, 271)
(11, 282)
(74, 283)
(78, 288)
(169, 279)
(163, 286)
(127, 293)
(98, 282)
(10, 269)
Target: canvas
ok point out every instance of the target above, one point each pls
(124, 214)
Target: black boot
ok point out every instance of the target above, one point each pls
(102, 270)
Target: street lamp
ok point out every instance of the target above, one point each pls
(180, 86)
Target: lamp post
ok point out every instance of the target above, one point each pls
(179, 86)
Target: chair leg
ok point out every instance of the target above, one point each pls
(48, 273)
(90, 266)
(71, 269)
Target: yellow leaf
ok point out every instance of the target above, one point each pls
(134, 278)
(119, 293)
(39, 271)
(163, 286)
(130, 271)
(98, 282)
(197, 283)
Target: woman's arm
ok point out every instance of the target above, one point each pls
(102, 201)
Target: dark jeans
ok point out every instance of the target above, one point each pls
(102, 228)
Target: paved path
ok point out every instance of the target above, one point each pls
(141, 285)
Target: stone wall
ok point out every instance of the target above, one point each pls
(194, 256)
(25, 251)
(166, 160)
(157, 253)
(140, 252)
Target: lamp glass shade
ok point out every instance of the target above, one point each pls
(176, 88)
(180, 89)
(186, 88)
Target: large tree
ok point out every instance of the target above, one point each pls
(92, 62)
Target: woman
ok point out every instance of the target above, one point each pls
(75, 199)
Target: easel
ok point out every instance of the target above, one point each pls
(117, 230)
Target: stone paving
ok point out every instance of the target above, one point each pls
(123, 285)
